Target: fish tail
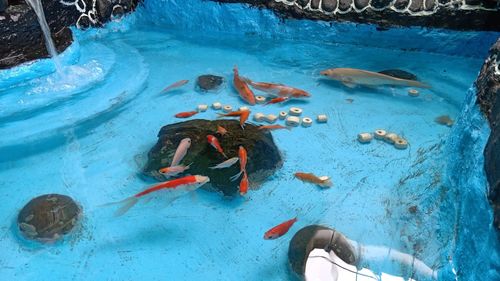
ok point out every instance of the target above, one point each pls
(326, 183)
(127, 204)
(224, 154)
(418, 84)
(235, 177)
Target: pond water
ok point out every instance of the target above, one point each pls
(87, 134)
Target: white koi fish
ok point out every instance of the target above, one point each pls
(226, 164)
(181, 151)
(351, 77)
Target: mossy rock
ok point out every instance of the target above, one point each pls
(264, 157)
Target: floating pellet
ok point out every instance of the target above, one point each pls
(322, 118)
(391, 138)
(413, 93)
(259, 117)
(400, 143)
(380, 134)
(307, 122)
(292, 121)
(282, 115)
(271, 118)
(216, 105)
(295, 111)
(202, 107)
(365, 137)
(227, 108)
(260, 99)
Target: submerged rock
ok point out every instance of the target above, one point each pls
(263, 155)
(206, 83)
(46, 218)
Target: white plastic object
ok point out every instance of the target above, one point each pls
(244, 108)
(401, 143)
(216, 105)
(260, 99)
(227, 108)
(259, 117)
(295, 111)
(391, 138)
(413, 93)
(322, 118)
(380, 134)
(365, 137)
(282, 115)
(292, 121)
(307, 122)
(202, 107)
(271, 118)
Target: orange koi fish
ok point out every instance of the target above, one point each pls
(311, 178)
(214, 142)
(273, 127)
(174, 86)
(242, 87)
(173, 170)
(278, 100)
(185, 114)
(243, 114)
(181, 186)
(279, 90)
(244, 184)
(221, 130)
(242, 155)
(279, 230)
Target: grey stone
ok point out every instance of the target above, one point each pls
(315, 4)
(48, 217)
(430, 5)
(417, 5)
(208, 82)
(264, 157)
(379, 4)
(360, 4)
(329, 5)
(401, 4)
(302, 3)
(344, 5)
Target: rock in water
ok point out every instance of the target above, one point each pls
(46, 218)
(263, 155)
(208, 83)
(398, 73)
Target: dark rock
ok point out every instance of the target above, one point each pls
(315, 4)
(360, 4)
(329, 5)
(417, 5)
(302, 3)
(380, 4)
(401, 4)
(398, 73)
(48, 217)
(444, 2)
(344, 5)
(263, 155)
(474, 2)
(488, 97)
(318, 237)
(208, 82)
(430, 5)
(3, 5)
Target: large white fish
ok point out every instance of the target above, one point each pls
(226, 164)
(181, 151)
(351, 77)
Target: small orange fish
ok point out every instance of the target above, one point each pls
(311, 178)
(244, 184)
(277, 100)
(221, 130)
(214, 142)
(186, 114)
(243, 114)
(242, 154)
(279, 230)
(242, 87)
(174, 86)
(273, 127)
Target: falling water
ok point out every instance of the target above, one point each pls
(37, 7)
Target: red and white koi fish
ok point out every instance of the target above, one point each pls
(273, 127)
(174, 86)
(243, 114)
(279, 90)
(186, 114)
(278, 100)
(181, 151)
(351, 77)
(177, 187)
(214, 142)
(279, 230)
(173, 171)
(242, 154)
(221, 130)
(226, 164)
(241, 86)
(244, 184)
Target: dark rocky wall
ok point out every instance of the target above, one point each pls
(488, 94)
(461, 15)
(21, 36)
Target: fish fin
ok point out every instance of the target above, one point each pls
(235, 177)
(127, 204)
(224, 154)
(349, 84)
(326, 183)
(246, 80)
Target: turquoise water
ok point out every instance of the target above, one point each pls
(86, 135)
